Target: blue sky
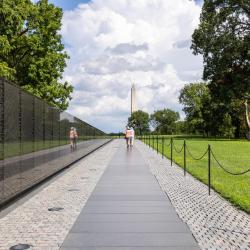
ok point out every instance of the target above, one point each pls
(72, 4)
(68, 4)
(112, 43)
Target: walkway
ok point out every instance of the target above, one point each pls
(128, 210)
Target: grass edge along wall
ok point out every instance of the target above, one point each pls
(34, 139)
(233, 155)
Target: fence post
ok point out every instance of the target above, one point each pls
(153, 141)
(157, 144)
(162, 147)
(171, 151)
(185, 158)
(209, 169)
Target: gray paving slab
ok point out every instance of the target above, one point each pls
(127, 203)
(129, 239)
(131, 248)
(123, 218)
(128, 210)
(127, 197)
(129, 227)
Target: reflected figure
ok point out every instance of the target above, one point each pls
(73, 138)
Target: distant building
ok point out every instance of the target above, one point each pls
(133, 99)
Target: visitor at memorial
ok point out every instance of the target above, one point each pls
(129, 135)
(73, 138)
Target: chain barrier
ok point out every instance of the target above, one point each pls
(227, 171)
(168, 144)
(178, 151)
(199, 158)
(208, 152)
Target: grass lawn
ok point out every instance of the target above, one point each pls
(234, 155)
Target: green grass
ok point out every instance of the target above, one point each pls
(234, 155)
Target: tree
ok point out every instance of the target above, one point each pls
(226, 127)
(181, 127)
(139, 120)
(196, 99)
(31, 52)
(164, 121)
(223, 38)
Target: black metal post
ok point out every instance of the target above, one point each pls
(153, 142)
(162, 147)
(185, 163)
(157, 144)
(171, 151)
(209, 169)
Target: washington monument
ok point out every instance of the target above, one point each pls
(133, 99)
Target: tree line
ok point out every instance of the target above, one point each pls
(32, 54)
(165, 121)
(219, 106)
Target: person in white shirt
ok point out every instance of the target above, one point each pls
(129, 135)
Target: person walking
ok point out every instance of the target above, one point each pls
(132, 137)
(129, 135)
(73, 137)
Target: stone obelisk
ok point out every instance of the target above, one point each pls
(133, 99)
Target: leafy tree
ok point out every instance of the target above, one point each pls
(226, 127)
(31, 52)
(164, 120)
(196, 99)
(181, 127)
(139, 120)
(223, 38)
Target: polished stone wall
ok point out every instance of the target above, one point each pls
(34, 140)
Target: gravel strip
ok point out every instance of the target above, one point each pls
(214, 222)
(31, 223)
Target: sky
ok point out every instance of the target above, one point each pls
(112, 43)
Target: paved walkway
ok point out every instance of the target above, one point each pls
(128, 210)
(29, 220)
(215, 223)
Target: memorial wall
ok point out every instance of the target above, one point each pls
(34, 140)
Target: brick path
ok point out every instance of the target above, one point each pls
(214, 222)
(33, 224)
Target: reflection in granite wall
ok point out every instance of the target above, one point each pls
(34, 140)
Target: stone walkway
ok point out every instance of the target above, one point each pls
(31, 222)
(128, 210)
(214, 222)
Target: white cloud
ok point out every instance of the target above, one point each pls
(113, 41)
